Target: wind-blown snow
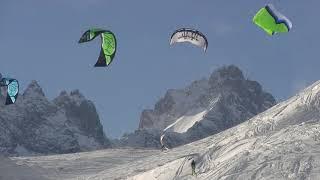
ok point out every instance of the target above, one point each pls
(185, 122)
(182, 124)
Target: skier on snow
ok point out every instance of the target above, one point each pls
(193, 166)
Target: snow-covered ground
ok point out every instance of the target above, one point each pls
(9, 170)
(105, 164)
(280, 143)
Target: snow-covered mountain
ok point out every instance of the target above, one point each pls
(280, 143)
(35, 125)
(205, 107)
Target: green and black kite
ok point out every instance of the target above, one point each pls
(108, 45)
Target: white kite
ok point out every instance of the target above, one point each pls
(189, 35)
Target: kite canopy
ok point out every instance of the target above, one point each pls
(12, 89)
(189, 35)
(272, 21)
(108, 45)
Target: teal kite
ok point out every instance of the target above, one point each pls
(272, 21)
(12, 88)
(108, 45)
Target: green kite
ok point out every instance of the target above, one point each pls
(272, 21)
(108, 45)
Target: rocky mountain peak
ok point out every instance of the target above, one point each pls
(205, 107)
(76, 93)
(69, 123)
(63, 93)
(75, 97)
(33, 90)
(226, 73)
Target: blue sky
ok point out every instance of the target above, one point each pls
(38, 41)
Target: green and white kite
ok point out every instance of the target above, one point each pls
(272, 21)
(108, 45)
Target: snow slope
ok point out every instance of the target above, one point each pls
(9, 170)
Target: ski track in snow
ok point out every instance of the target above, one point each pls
(254, 158)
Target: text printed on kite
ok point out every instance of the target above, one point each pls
(191, 36)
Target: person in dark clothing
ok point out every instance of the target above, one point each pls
(162, 148)
(193, 166)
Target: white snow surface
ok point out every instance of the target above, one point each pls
(10, 170)
(182, 124)
(280, 143)
(185, 122)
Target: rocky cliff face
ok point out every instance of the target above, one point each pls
(205, 107)
(35, 125)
